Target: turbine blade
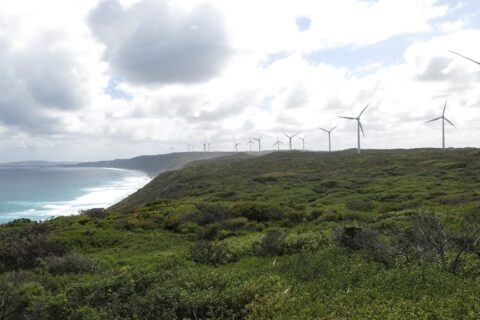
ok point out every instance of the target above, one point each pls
(333, 128)
(323, 130)
(450, 122)
(444, 108)
(361, 128)
(349, 118)
(364, 110)
(286, 135)
(461, 55)
(434, 119)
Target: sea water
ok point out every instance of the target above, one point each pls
(43, 193)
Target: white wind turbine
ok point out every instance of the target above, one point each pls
(278, 143)
(443, 123)
(235, 147)
(259, 140)
(250, 142)
(359, 126)
(290, 145)
(461, 55)
(329, 140)
(303, 142)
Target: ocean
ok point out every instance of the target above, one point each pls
(43, 193)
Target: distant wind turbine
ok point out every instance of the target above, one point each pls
(303, 142)
(329, 140)
(359, 126)
(278, 143)
(250, 142)
(290, 145)
(461, 55)
(235, 147)
(208, 146)
(443, 123)
(259, 140)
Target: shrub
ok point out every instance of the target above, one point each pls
(257, 211)
(70, 263)
(355, 238)
(207, 214)
(95, 213)
(211, 253)
(273, 244)
(359, 205)
(20, 249)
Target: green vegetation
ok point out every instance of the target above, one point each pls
(288, 235)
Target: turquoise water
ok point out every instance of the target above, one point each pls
(42, 193)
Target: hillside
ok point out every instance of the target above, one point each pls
(288, 235)
(156, 164)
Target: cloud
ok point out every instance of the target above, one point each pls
(36, 81)
(153, 42)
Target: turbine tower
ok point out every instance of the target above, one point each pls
(329, 140)
(250, 142)
(259, 140)
(303, 142)
(235, 147)
(278, 143)
(359, 126)
(461, 55)
(290, 145)
(443, 124)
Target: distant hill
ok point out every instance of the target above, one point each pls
(155, 164)
(36, 164)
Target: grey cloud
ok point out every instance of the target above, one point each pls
(35, 81)
(152, 43)
(434, 70)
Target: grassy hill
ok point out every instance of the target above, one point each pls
(287, 235)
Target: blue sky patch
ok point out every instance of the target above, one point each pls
(303, 23)
(115, 92)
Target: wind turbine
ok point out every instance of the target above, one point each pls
(303, 142)
(290, 145)
(208, 146)
(461, 55)
(250, 142)
(259, 140)
(235, 147)
(359, 126)
(443, 123)
(329, 140)
(278, 143)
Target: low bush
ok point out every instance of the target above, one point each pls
(273, 244)
(211, 253)
(70, 263)
(355, 238)
(20, 249)
(95, 213)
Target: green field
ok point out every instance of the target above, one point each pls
(287, 235)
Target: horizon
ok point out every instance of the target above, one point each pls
(94, 80)
(353, 150)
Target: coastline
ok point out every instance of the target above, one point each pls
(98, 195)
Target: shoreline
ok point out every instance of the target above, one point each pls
(104, 195)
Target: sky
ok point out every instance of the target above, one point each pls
(85, 80)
